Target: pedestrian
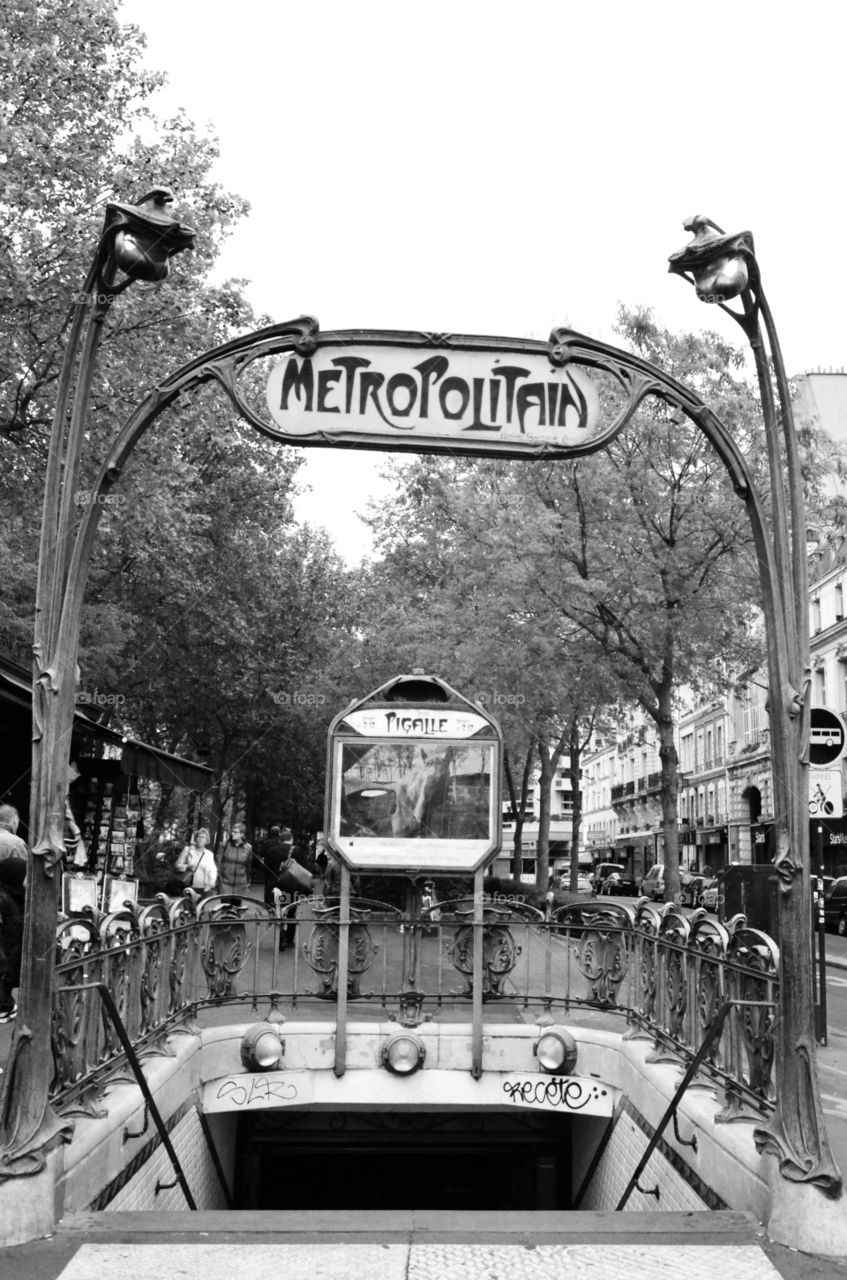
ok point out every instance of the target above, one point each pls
(76, 854)
(196, 864)
(157, 868)
(13, 866)
(277, 851)
(235, 863)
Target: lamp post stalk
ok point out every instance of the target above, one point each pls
(723, 268)
(136, 243)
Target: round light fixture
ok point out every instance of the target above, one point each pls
(403, 1054)
(261, 1047)
(556, 1051)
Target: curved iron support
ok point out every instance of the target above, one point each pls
(724, 268)
(28, 1125)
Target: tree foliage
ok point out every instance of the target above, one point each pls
(638, 559)
(205, 599)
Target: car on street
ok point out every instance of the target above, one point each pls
(691, 885)
(613, 878)
(653, 884)
(709, 894)
(835, 906)
(583, 882)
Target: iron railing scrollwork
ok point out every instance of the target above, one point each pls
(665, 975)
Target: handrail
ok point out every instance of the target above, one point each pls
(135, 1065)
(708, 1040)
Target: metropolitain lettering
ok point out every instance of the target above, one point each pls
(510, 398)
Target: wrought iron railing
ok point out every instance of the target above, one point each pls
(661, 974)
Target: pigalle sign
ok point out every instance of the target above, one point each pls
(424, 392)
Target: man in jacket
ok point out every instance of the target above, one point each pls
(13, 860)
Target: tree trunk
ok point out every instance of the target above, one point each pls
(549, 763)
(575, 755)
(542, 864)
(518, 803)
(670, 788)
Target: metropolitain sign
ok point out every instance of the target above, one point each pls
(408, 391)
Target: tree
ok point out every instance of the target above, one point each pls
(643, 548)
(444, 602)
(204, 600)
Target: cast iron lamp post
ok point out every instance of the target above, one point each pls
(136, 243)
(723, 268)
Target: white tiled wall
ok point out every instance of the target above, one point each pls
(617, 1165)
(193, 1154)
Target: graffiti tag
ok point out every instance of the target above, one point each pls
(261, 1089)
(553, 1092)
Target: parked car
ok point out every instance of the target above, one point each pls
(835, 906)
(613, 878)
(709, 894)
(653, 884)
(583, 882)
(691, 885)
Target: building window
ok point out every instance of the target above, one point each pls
(839, 602)
(816, 615)
(820, 686)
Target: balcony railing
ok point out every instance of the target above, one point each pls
(661, 976)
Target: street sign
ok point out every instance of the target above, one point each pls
(826, 736)
(825, 800)
(413, 780)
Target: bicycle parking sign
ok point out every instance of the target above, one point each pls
(825, 799)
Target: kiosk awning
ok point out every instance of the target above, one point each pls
(141, 761)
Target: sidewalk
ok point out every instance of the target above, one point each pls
(411, 1246)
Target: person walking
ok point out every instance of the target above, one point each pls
(13, 861)
(275, 854)
(196, 864)
(235, 863)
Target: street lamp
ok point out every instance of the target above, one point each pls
(723, 269)
(136, 243)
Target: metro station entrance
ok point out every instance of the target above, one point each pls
(403, 1160)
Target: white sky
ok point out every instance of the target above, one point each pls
(476, 166)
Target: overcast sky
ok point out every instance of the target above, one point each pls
(502, 168)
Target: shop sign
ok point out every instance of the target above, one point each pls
(408, 391)
(422, 722)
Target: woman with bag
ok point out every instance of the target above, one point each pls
(197, 865)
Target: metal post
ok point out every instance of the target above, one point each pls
(724, 268)
(343, 967)
(137, 240)
(478, 944)
(820, 1010)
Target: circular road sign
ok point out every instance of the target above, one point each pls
(826, 736)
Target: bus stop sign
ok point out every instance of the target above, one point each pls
(826, 736)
